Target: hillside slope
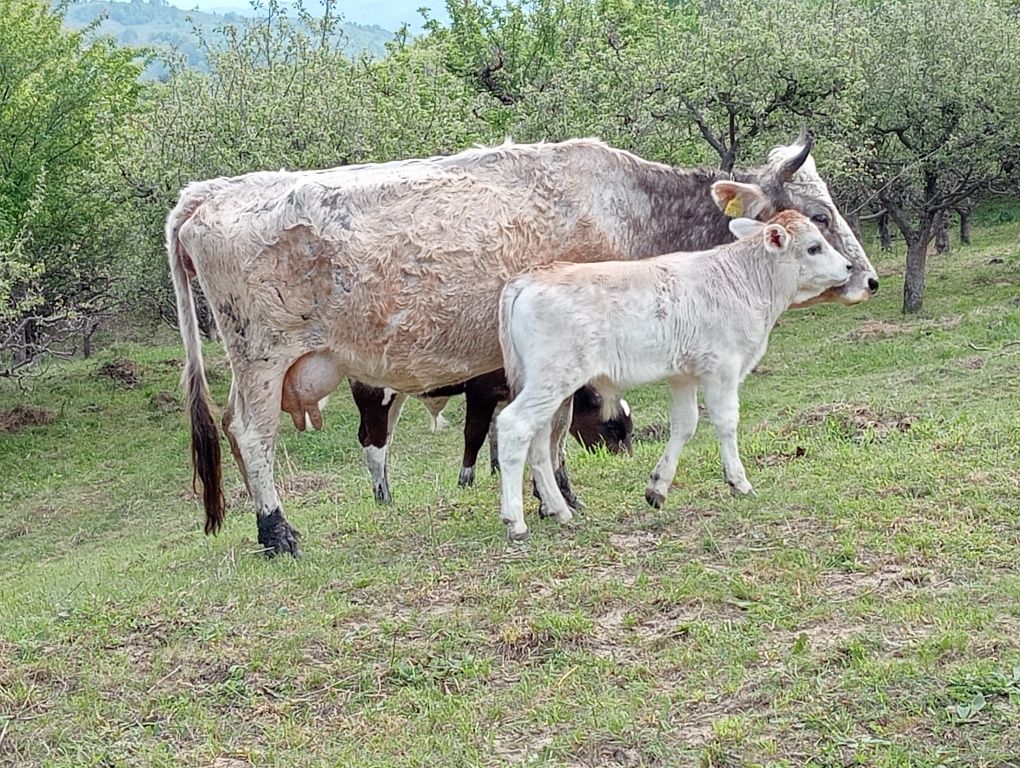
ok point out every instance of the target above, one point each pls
(158, 24)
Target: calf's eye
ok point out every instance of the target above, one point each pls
(820, 219)
(814, 250)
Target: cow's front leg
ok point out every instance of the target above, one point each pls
(722, 400)
(683, 420)
(256, 421)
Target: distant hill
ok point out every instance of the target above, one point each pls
(156, 23)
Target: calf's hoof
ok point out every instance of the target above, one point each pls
(467, 477)
(742, 489)
(565, 516)
(277, 536)
(518, 532)
(654, 498)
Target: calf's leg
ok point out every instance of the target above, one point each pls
(517, 425)
(558, 448)
(722, 401)
(683, 420)
(540, 459)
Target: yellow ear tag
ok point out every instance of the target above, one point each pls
(734, 208)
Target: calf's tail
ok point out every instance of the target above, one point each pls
(512, 363)
(205, 439)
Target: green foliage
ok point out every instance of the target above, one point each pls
(63, 98)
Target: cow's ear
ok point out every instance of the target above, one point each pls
(737, 199)
(745, 227)
(776, 238)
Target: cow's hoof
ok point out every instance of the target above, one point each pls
(565, 516)
(382, 494)
(654, 498)
(467, 477)
(277, 536)
(517, 533)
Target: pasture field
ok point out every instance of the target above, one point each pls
(862, 609)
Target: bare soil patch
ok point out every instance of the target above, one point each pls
(165, 402)
(20, 416)
(651, 433)
(856, 421)
(877, 329)
(780, 458)
(122, 372)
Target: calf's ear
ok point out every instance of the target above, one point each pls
(737, 199)
(776, 238)
(745, 227)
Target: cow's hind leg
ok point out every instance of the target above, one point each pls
(722, 401)
(229, 416)
(481, 404)
(683, 420)
(257, 418)
(379, 410)
(517, 425)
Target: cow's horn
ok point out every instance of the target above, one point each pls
(792, 165)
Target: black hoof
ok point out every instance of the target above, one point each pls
(382, 494)
(654, 498)
(467, 477)
(277, 536)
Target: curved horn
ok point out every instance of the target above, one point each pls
(791, 166)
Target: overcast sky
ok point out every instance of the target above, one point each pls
(388, 14)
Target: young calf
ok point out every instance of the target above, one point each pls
(694, 319)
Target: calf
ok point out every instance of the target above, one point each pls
(694, 319)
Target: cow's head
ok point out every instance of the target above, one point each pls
(790, 181)
(596, 422)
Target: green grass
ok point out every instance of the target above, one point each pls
(863, 609)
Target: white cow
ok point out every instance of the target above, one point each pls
(695, 319)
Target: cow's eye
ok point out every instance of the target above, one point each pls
(814, 250)
(820, 219)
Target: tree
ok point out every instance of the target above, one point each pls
(63, 96)
(938, 121)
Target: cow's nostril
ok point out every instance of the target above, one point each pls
(873, 284)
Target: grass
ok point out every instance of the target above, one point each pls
(863, 609)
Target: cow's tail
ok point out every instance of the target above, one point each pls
(512, 363)
(205, 439)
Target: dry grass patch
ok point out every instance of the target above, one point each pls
(20, 416)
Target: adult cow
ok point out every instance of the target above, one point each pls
(396, 268)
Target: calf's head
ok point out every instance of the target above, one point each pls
(790, 181)
(791, 237)
(596, 423)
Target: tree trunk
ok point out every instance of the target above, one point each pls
(964, 225)
(942, 233)
(913, 282)
(884, 235)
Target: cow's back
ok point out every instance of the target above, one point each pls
(397, 267)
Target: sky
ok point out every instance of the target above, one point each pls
(388, 14)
